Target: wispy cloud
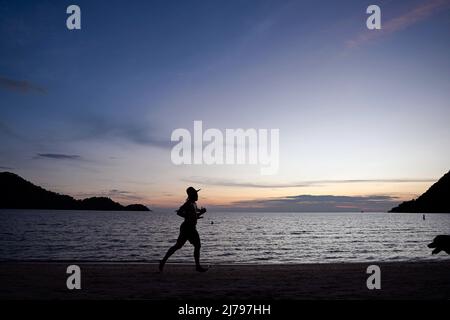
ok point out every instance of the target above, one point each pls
(58, 156)
(234, 183)
(122, 194)
(7, 131)
(20, 86)
(115, 194)
(401, 22)
(316, 203)
(137, 131)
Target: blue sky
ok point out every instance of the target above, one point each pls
(361, 113)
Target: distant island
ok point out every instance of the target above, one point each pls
(17, 193)
(435, 199)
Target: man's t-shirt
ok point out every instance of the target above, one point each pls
(190, 213)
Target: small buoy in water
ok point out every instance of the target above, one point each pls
(212, 222)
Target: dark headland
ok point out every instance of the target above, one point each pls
(435, 199)
(18, 193)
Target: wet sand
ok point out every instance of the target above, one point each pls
(47, 280)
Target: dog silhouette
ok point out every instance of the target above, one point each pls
(440, 243)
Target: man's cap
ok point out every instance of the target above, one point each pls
(191, 190)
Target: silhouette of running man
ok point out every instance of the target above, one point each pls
(188, 230)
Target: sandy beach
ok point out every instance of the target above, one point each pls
(47, 280)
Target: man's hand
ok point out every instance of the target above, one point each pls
(202, 210)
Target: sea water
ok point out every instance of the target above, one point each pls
(227, 237)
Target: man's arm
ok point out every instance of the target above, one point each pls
(200, 212)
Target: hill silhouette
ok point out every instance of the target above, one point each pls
(18, 193)
(435, 199)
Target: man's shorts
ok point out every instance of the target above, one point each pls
(188, 233)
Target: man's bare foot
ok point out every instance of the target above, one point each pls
(201, 269)
(161, 266)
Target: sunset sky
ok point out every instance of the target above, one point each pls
(363, 114)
